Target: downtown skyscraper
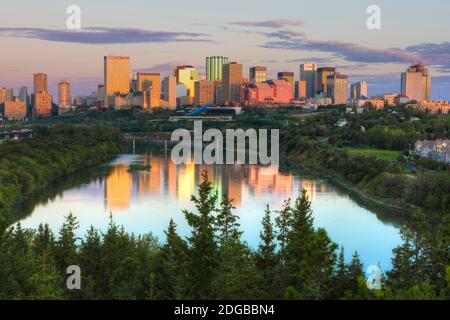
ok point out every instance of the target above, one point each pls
(416, 83)
(232, 82)
(214, 67)
(117, 77)
(308, 73)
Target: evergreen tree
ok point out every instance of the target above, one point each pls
(300, 231)
(266, 256)
(316, 270)
(227, 225)
(171, 267)
(203, 246)
(282, 222)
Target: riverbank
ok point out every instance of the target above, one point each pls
(28, 167)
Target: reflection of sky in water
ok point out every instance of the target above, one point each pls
(145, 201)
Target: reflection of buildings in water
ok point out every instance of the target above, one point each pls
(268, 179)
(309, 186)
(118, 189)
(170, 176)
(186, 181)
(149, 182)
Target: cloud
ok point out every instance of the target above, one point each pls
(435, 54)
(278, 23)
(285, 34)
(347, 50)
(321, 60)
(101, 35)
(165, 68)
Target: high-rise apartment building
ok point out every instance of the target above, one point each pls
(169, 90)
(6, 95)
(64, 94)
(204, 92)
(308, 73)
(117, 77)
(16, 109)
(214, 67)
(337, 88)
(43, 104)
(187, 75)
(358, 90)
(258, 74)
(322, 79)
(416, 83)
(232, 82)
(288, 77)
(23, 95)
(40, 82)
(150, 82)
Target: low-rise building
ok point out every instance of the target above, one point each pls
(16, 109)
(438, 150)
(433, 107)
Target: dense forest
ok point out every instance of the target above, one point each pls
(55, 151)
(407, 181)
(294, 260)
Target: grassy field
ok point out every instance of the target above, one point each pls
(387, 155)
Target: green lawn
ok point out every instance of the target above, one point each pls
(387, 155)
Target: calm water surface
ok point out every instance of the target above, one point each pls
(145, 201)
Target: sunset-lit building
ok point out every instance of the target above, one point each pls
(150, 82)
(16, 109)
(187, 75)
(40, 82)
(6, 95)
(214, 68)
(416, 83)
(337, 86)
(232, 82)
(301, 89)
(204, 92)
(271, 92)
(258, 74)
(117, 77)
(42, 104)
(358, 90)
(308, 73)
(64, 95)
(433, 107)
(169, 90)
(323, 75)
(288, 77)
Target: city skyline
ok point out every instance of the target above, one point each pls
(293, 33)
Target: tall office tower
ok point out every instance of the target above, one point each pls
(204, 92)
(117, 77)
(43, 104)
(6, 95)
(40, 82)
(416, 83)
(358, 90)
(150, 82)
(16, 109)
(337, 88)
(287, 76)
(214, 67)
(23, 95)
(169, 90)
(187, 75)
(64, 94)
(322, 79)
(258, 74)
(232, 82)
(300, 89)
(308, 73)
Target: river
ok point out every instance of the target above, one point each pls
(145, 201)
